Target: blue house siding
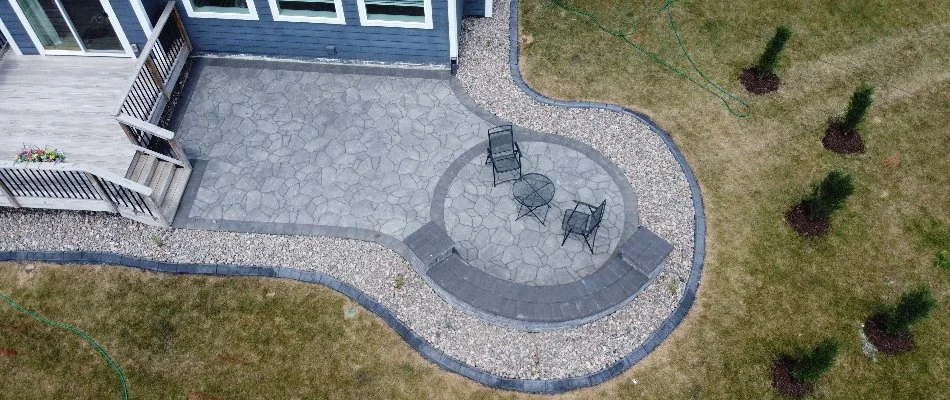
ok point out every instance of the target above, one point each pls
(473, 8)
(123, 12)
(154, 9)
(309, 40)
(20, 37)
(129, 22)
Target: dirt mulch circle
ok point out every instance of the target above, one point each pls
(884, 342)
(841, 141)
(783, 381)
(757, 82)
(797, 217)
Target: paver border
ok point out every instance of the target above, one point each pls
(699, 247)
(444, 361)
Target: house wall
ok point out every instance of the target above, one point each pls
(154, 9)
(129, 22)
(309, 40)
(123, 12)
(18, 33)
(473, 8)
(284, 39)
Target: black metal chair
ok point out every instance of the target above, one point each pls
(504, 154)
(584, 224)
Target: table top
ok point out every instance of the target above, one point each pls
(533, 190)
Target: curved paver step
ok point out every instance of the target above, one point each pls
(618, 281)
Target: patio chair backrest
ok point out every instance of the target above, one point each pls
(597, 216)
(501, 141)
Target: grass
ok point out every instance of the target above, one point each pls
(202, 338)
(765, 291)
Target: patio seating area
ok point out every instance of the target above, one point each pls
(405, 159)
(494, 233)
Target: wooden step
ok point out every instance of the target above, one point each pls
(176, 190)
(143, 168)
(161, 180)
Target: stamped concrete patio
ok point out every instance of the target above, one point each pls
(376, 153)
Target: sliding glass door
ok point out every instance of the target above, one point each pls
(71, 26)
(50, 26)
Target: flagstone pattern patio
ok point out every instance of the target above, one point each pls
(483, 220)
(377, 153)
(299, 147)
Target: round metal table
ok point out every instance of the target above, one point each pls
(533, 192)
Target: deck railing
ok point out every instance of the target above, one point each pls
(153, 140)
(150, 88)
(3, 45)
(69, 186)
(158, 68)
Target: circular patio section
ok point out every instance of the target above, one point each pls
(511, 268)
(491, 234)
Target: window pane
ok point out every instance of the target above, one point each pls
(307, 8)
(395, 11)
(221, 6)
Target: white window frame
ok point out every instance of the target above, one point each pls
(427, 24)
(10, 41)
(251, 15)
(107, 7)
(338, 20)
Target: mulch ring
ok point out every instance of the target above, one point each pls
(797, 217)
(757, 82)
(783, 381)
(841, 141)
(8, 352)
(885, 342)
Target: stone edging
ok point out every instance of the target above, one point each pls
(429, 352)
(699, 250)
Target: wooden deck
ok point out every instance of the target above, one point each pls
(67, 103)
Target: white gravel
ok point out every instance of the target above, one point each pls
(664, 206)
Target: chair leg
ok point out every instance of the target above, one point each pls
(590, 244)
(566, 234)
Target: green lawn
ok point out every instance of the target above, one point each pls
(201, 338)
(764, 289)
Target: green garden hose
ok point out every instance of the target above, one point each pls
(125, 389)
(727, 98)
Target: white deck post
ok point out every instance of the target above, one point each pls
(101, 191)
(9, 195)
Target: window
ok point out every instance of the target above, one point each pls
(224, 9)
(321, 11)
(396, 13)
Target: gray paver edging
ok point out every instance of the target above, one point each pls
(692, 285)
(431, 353)
(418, 343)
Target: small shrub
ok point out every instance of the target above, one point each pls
(158, 240)
(912, 307)
(942, 260)
(829, 195)
(860, 103)
(810, 365)
(773, 50)
(400, 281)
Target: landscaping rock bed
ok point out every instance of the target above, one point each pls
(664, 200)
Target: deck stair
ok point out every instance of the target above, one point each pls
(167, 181)
(101, 177)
